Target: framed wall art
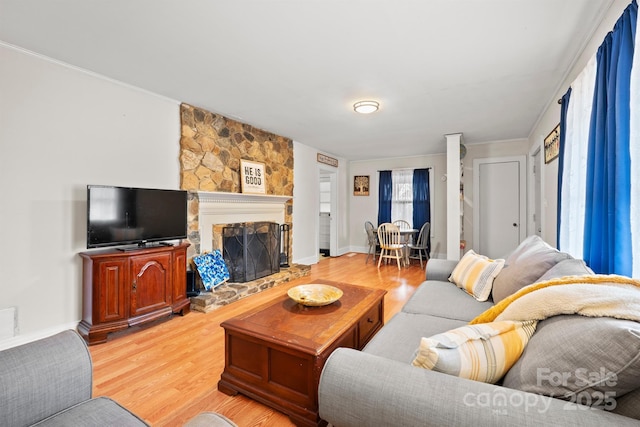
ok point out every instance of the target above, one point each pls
(552, 144)
(252, 177)
(361, 185)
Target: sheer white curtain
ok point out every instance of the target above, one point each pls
(634, 151)
(402, 201)
(576, 147)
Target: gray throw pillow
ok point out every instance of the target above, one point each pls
(587, 360)
(530, 260)
(568, 267)
(629, 405)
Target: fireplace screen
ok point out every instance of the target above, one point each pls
(251, 250)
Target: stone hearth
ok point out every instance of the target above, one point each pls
(231, 292)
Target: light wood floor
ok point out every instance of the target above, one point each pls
(167, 372)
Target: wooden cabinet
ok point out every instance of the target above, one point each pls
(126, 288)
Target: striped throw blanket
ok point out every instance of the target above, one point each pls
(589, 295)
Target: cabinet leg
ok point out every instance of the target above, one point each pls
(223, 387)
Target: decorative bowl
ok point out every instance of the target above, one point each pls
(314, 294)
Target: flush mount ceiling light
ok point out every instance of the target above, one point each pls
(366, 107)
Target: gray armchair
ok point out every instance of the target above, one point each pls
(49, 383)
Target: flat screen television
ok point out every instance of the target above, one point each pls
(124, 216)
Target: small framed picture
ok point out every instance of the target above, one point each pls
(361, 185)
(252, 177)
(552, 145)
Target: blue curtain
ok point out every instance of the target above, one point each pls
(607, 241)
(385, 194)
(421, 199)
(563, 131)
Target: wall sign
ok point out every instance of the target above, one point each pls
(252, 177)
(327, 160)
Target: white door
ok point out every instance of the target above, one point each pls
(499, 200)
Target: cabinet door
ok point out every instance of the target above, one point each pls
(151, 283)
(110, 293)
(179, 275)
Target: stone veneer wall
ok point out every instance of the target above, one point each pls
(211, 147)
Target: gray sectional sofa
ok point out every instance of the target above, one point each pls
(49, 383)
(378, 386)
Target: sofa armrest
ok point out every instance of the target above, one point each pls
(440, 269)
(358, 389)
(43, 377)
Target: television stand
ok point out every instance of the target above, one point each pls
(128, 288)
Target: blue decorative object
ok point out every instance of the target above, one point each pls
(212, 269)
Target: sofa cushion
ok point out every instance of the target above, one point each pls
(482, 352)
(400, 336)
(528, 262)
(629, 405)
(568, 267)
(444, 299)
(475, 273)
(588, 360)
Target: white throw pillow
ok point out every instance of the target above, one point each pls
(483, 352)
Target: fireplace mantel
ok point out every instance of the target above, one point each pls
(222, 197)
(226, 208)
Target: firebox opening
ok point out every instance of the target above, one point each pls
(251, 250)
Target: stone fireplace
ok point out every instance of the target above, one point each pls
(211, 149)
(211, 212)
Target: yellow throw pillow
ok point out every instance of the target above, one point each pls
(475, 273)
(483, 352)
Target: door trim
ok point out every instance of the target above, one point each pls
(522, 160)
(536, 150)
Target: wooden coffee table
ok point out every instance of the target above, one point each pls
(275, 353)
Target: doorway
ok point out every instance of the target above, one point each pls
(324, 231)
(327, 226)
(499, 222)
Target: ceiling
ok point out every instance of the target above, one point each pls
(487, 69)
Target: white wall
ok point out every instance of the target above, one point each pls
(495, 149)
(306, 202)
(61, 129)
(551, 117)
(365, 208)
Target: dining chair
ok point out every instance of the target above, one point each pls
(402, 224)
(422, 243)
(391, 243)
(372, 237)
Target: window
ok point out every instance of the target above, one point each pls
(402, 199)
